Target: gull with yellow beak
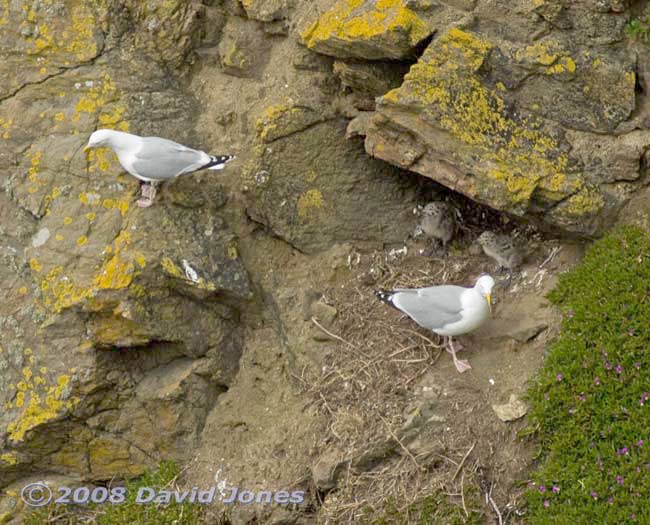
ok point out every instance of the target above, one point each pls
(445, 310)
(153, 159)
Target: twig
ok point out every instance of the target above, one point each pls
(554, 252)
(394, 436)
(462, 462)
(488, 496)
(462, 492)
(338, 338)
(402, 350)
(422, 337)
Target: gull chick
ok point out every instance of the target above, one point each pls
(438, 221)
(445, 310)
(501, 248)
(153, 159)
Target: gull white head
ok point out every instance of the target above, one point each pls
(101, 137)
(484, 286)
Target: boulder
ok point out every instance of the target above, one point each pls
(367, 29)
(512, 126)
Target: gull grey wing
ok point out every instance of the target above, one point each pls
(164, 159)
(432, 307)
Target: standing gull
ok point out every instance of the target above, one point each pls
(152, 159)
(445, 310)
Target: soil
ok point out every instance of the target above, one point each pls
(334, 380)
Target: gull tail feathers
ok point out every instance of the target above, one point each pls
(218, 162)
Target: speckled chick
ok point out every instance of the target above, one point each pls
(501, 248)
(438, 221)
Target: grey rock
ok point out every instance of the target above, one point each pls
(511, 411)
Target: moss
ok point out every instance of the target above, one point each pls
(162, 478)
(432, 509)
(590, 404)
(353, 20)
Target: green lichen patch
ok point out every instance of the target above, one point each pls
(590, 405)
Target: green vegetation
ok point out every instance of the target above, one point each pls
(639, 28)
(591, 404)
(128, 512)
(434, 509)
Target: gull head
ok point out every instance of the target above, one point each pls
(484, 286)
(101, 137)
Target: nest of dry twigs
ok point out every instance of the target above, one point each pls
(365, 390)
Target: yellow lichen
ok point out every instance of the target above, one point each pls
(101, 99)
(121, 204)
(45, 404)
(61, 292)
(22, 290)
(514, 153)
(170, 267)
(33, 169)
(346, 21)
(8, 458)
(82, 240)
(308, 201)
(6, 126)
(549, 55)
(35, 265)
(76, 37)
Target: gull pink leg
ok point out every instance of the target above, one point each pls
(458, 347)
(148, 194)
(461, 364)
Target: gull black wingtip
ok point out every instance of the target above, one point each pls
(385, 296)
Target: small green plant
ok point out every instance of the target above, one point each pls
(639, 28)
(591, 402)
(433, 509)
(129, 512)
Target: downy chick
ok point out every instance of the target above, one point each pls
(501, 248)
(438, 221)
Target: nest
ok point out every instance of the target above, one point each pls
(364, 391)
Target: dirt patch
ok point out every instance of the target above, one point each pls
(402, 423)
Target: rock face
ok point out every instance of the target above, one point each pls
(85, 274)
(547, 128)
(128, 336)
(311, 202)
